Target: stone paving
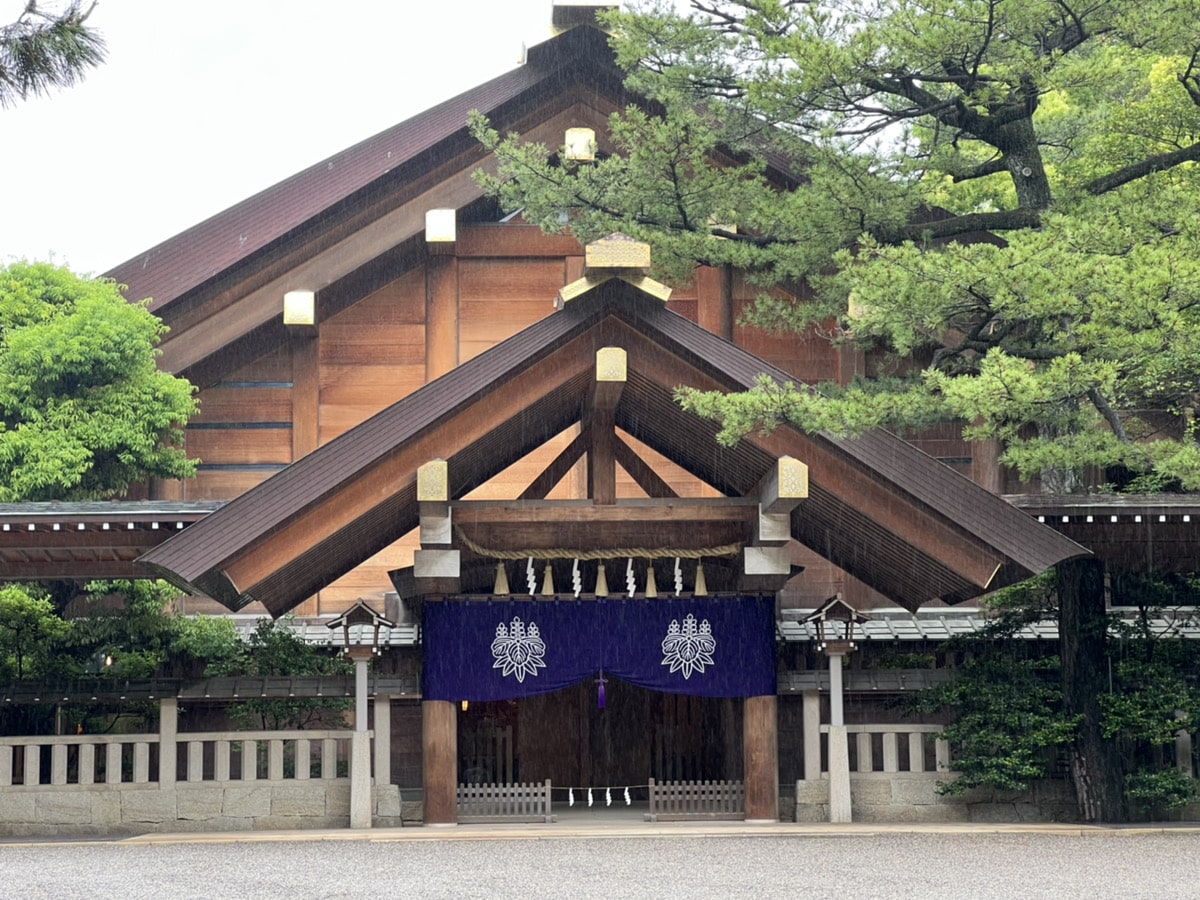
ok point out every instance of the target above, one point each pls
(621, 859)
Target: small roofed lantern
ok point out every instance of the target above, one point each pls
(580, 144)
(360, 614)
(839, 625)
(440, 226)
(300, 308)
(366, 622)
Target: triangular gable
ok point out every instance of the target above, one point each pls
(889, 515)
(356, 218)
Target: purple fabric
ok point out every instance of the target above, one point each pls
(504, 649)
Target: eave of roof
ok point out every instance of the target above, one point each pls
(199, 557)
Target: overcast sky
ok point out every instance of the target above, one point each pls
(201, 104)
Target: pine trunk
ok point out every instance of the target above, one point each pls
(1083, 645)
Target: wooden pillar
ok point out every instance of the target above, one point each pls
(760, 737)
(306, 405)
(714, 300)
(441, 314)
(439, 741)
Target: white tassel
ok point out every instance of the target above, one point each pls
(570, 796)
(630, 579)
(608, 796)
(627, 800)
(576, 578)
(531, 577)
(589, 798)
(678, 577)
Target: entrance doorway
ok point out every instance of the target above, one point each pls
(567, 738)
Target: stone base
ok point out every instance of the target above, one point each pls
(913, 797)
(103, 810)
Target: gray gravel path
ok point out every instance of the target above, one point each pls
(1157, 866)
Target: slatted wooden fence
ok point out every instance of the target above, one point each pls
(679, 801)
(481, 803)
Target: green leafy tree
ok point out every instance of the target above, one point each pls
(44, 49)
(31, 633)
(912, 127)
(84, 411)
(1008, 720)
(274, 649)
(996, 200)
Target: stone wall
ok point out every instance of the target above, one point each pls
(101, 809)
(913, 797)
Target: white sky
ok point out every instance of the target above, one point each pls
(201, 104)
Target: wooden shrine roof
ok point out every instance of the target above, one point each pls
(85, 540)
(880, 509)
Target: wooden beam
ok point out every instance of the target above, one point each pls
(641, 472)
(558, 468)
(714, 295)
(600, 422)
(441, 315)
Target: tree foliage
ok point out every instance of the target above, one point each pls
(44, 49)
(1002, 193)
(274, 649)
(84, 411)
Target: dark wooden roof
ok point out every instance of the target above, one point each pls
(87, 540)
(888, 514)
(207, 269)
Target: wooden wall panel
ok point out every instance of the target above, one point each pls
(230, 404)
(224, 484)
(498, 298)
(369, 581)
(223, 446)
(275, 366)
(808, 357)
(352, 394)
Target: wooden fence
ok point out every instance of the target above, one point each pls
(481, 803)
(678, 801)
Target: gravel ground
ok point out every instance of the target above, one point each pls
(883, 866)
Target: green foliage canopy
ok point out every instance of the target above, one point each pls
(84, 411)
(1002, 192)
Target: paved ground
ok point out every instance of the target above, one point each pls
(621, 861)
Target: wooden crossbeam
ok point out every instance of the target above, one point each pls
(601, 415)
(641, 472)
(558, 468)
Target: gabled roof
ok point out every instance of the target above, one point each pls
(880, 509)
(222, 281)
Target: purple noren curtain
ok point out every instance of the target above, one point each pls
(503, 649)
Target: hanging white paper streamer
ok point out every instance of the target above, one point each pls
(608, 796)
(531, 577)
(589, 798)
(678, 577)
(630, 581)
(627, 801)
(570, 796)
(576, 578)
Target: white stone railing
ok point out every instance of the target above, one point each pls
(895, 748)
(77, 759)
(88, 759)
(264, 755)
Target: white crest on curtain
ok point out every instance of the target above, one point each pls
(518, 649)
(689, 647)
